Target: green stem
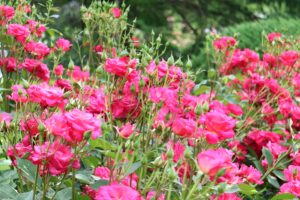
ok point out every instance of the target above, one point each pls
(73, 185)
(35, 181)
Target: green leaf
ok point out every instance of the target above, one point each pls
(7, 177)
(64, 194)
(284, 196)
(102, 144)
(99, 183)
(91, 161)
(133, 168)
(7, 192)
(232, 189)
(6, 39)
(268, 155)
(273, 181)
(25, 196)
(29, 170)
(84, 178)
(5, 164)
(200, 89)
(279, 174)
(83, 197)
(247, 189)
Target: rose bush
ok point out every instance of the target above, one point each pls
(129, 125)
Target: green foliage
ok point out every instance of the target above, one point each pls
(250, 34)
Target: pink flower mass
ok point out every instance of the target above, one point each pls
(110, 118)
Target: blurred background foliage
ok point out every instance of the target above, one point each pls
(184, 24)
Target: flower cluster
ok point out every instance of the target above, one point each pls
(128, 125)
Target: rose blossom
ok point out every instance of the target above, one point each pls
(126, 130)
(211, 161)
(18, 31)
(117, 12)
(117, 192)
(63, 44)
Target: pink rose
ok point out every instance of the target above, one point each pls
(59, 70)
(211, 161)
(37, 68)
(81, 122)
(292, 187)
(38, 49)
(273, 36)
(9, 64)
(226, 196)
(45, 95)
(117, 12)
(6, 13)
(151, 195)
(117, 66)
(217, 126)
(235, 109)
(250, 174)
(126, 130)
(63, 44)
(102, 172)
(224, 43)
(117, 192)
(288, 58)
(5, 118)
(184, 127)
(98, 48)
(18, 31)
(19, 94)
(79, 75)
(292, 173)
(125, 106)
(59, 158)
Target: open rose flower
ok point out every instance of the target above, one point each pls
(117, 192)
(38, 49)
(18, 31)
(126, 130)
(6, 13)
(217, 126)
(63, 44)
(211, 161)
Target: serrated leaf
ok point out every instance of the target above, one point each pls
(268, 155)
(284, 196)
(273, 181)
(247, 189)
